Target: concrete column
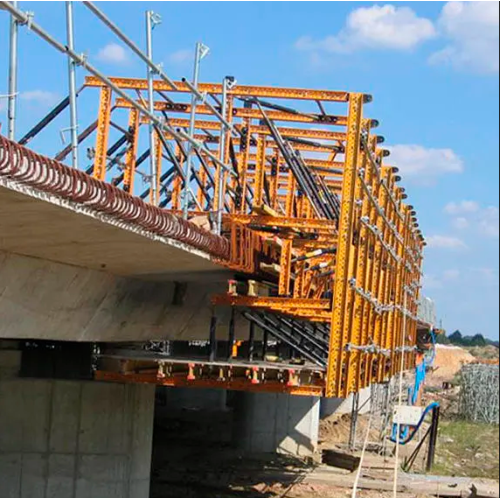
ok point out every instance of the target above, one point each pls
(191, 419)
(74, 439)
(277, 423)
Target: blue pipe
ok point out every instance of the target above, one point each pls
(420, 375)
(421, 372)
(408, 438)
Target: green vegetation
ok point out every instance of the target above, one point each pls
(488, 352)
(468, 449)
(456, 338)
(442, 339)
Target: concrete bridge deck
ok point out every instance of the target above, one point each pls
(50, 211)
(35, 224)
(96, 270)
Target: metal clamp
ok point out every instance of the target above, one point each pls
(29, 20)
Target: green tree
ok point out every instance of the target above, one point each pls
(456, 338)
(442, 339)
(478, 340)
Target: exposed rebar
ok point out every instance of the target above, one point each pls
(479, 398)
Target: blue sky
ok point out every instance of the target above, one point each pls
(432, 68)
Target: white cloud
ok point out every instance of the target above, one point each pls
(471, 214)
(181, 56)
(113, 54)
(377, 27)
(461, 223)
(489, 222)
(445, 242)
(436, 282)
(40, 97)
(473, 32)
(424, 165)
(462, 207)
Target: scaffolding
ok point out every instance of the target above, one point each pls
(294, 188)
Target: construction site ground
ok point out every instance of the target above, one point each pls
(201, 468)
(194, 457)
(468, 449)
(464, 448)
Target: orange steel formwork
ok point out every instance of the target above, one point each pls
(325, 250)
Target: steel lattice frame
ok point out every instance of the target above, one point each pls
(308, 206)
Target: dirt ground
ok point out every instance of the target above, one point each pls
(449, 360)
(216, 470)
(193, 457)
(207, 466)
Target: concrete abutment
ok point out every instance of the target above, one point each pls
(262, 423)
(340, 406)
(73, 438)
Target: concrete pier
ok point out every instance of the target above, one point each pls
(277, 423)
(73, 439)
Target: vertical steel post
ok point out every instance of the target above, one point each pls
(361, 254)
(400, 397)
(151, 20)
(200, 52)
(222, 154)
(265, 341)
(213, 338)
(260, 171)
(159, 161)
(343, 271)
(102, 136)
(11, 113)
(251, 342)
(131, 154)
(232, 335)
(72, 86)
(436, 412)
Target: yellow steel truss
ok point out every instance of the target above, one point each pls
(357, 272)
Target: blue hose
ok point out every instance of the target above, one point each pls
(409, 437)
(420, 375)
(421, 372)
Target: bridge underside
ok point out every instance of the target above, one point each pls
(46, 227)
(52, 301)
